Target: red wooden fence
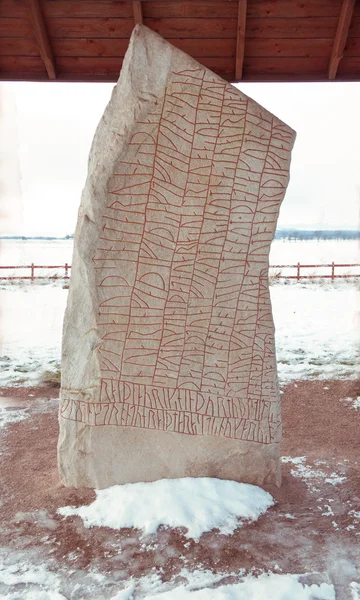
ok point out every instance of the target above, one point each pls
(32, 268)
(331, 275)
(298, 274)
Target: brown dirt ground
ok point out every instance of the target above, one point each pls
(323, 534)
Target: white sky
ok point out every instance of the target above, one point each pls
(46, 130)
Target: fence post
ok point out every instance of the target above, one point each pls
(298, 271)
(332, 271)
(32, 271)
(66, 271)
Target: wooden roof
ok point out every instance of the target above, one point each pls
(253, 40)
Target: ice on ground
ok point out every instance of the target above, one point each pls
(34, 594)
(264, 587)
(8, 416)
(125, 594)
(22, 580)
(355, 402)
(355, 590)
(25, 581)
(311, 475)
(197, 504)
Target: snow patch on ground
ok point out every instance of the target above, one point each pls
(354, 402)
(197, 504)
(125, 594)
(8, 416)
(30, 582)
(355, 590)
(274, 586)
(311, 475)
(201, 585)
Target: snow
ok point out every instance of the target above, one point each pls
(316, 331)
(8, 416)
(284, 252)
(125, 594)
(39, 252)
(355, 590)
(34, 595)
(38, 583)
(354, 402)
(58, 252)
(316, 323)
(14, 574)
(311, 476)
(264, 587)
(31, 324)
(43, 583)
(196, 504)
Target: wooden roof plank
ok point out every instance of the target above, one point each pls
(41, 36)
(87, 8)
(284, 40)
(16, 28)
(285, 69)
(240, 39)
(352, 48)
(25, 64)
(263, 28)
(138, 15)
(341, 36)
(179, 8)
(229, 8)
(91, 28)
(18, 47)
(116, 47)
(108, 47)
(190, 9)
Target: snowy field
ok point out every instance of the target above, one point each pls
(59, 252)
(41, 583)
(317, 323)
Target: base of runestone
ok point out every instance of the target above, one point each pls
(139, 455)
(168, 361)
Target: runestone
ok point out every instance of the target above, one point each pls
(168, 364)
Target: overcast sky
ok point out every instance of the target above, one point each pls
(46, 131)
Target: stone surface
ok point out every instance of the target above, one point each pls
(168, 365)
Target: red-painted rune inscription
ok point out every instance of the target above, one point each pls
(184, 315)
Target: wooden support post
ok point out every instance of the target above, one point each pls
(332, 271)
(41, 36)
(66, 271)
(138, 16)
(240, 40)
(340, 37)
(32, 271)
(298, 271)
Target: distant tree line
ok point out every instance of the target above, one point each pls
(281, 234)
(317, 234)
(36, 237)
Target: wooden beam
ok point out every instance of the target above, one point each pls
(240, 39)
(41, 36)
(138, 16)
(340, 36)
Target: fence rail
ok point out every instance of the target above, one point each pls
(66, 267)
(297, 267)
(332, 275)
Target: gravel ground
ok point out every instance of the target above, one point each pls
(314, 526)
